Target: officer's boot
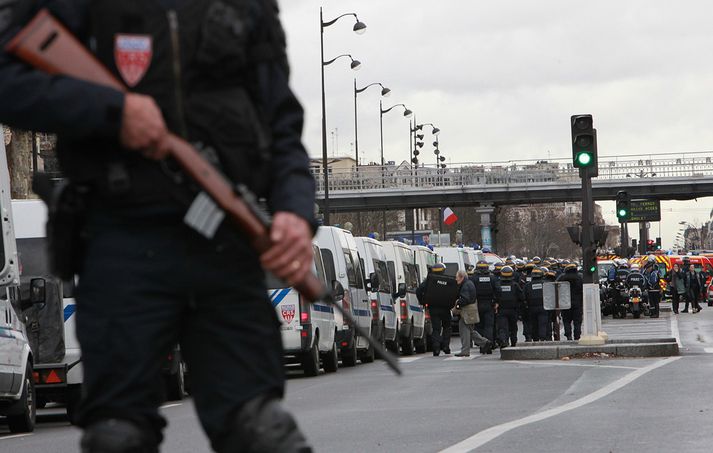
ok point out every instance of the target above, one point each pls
(117, 436)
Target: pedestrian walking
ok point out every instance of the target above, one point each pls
(676, 281)
(439, 293)
(216, 74)
(695, 283)
(468, 308)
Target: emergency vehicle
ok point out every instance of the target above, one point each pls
(455, 258)
(404, 277)
(383, 307)
(308, 329)
(342, 268)
(17, 388)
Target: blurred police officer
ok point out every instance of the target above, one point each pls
(553, 325)
(216, 74)
(439, 293)
(536, 310)
(509, 297)
(485, 287)
(572, 318)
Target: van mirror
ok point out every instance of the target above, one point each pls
(338, 290)
(374, 282)
(38, 293)
(402, 290)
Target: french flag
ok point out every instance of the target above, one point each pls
(449, 217)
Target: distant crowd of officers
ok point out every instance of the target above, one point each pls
(490, 304)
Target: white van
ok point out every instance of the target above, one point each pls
(383, 307)
(308, 329)
(404, 277)
(455, 259)
(342, 268)
(17, 388)
(473, 257)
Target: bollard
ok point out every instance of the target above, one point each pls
(592, 322)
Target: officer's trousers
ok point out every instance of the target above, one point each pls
(572, 318)
(149, 283)
(526, 326)
(539, 318)
(486, 325)
(441, 322)
(507, 326)
(654, 301)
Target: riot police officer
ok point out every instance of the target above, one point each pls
(508, 297)
(439, 293)
(534, 298)
(653, 280)
(485, 287)
(572, 318)
(525, 278)
(216, 74)
(553, 326)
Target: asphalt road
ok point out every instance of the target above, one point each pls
(482, 403)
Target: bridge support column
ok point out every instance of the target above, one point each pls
(487, 224)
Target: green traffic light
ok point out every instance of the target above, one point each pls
(622, 213)
(593, 269)
(584, 159)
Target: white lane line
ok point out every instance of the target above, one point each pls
(708, 350)
(674, 330)
(593, 365)
(453, 359)
(408, 359)
(167, 406)
(489, 434)
(15, 436)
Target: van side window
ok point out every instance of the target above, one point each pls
(384, 281)
(328, 260)
(363, 268)
(319, 265)
(392, 275)
(351, 272)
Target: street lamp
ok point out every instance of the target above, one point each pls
(407, 114)
(359, 28)
(385, 92)
(418, 139)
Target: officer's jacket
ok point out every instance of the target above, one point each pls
(534, 293)
(216, 68)
(636, 279)
(509, 295)
(575, 286)
(485, 287)
(438, 290)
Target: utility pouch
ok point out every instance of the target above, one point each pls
(66, 224)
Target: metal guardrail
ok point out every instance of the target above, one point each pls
(557, 171)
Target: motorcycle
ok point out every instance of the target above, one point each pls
(618, 300)
(637, 304)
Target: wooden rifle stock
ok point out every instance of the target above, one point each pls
(46, 44)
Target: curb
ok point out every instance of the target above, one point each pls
(665, 347)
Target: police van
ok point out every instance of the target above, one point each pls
(383, 307)
(17, 388)
(404, 277)
(455, 258)
(342, 267)
(308, 329)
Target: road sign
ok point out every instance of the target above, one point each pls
(645, 211)
(554, 292)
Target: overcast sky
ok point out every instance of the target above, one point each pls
(501, 79)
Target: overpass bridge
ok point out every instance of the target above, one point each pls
(681, 176)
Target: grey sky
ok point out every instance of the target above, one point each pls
(501, 79)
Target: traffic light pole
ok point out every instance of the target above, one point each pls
(624, 240)
(588, 250)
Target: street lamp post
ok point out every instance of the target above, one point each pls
(385, 92)
(408, 114)
(359, 28)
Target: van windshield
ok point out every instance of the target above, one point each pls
(32, 255)
(451, 269)
(383, 273)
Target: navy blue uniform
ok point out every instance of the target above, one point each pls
(536, 310)
(572, 318)
(509, 297)
(218, 71)
(485, 288)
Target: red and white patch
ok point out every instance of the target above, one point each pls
(132, 55)
(288, 313)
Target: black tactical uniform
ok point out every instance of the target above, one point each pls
(538, 315)
(509, 298)
(218, 71)
(439, 292)
(573, 316)
(485, 287)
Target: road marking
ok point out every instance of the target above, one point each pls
(451, 359)
(408, 359)
(594, 365)
(489, 434)
(674, 330)
(15, 436)
(708, 350)
(167, 406)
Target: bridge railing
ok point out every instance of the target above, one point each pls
(521, 173)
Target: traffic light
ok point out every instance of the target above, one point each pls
(584, 142)
(623, 206)
(650, 245)
(658, 244)
(589, 262)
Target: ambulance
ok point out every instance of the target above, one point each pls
(308, 329)
(342, 267)
(17, 388)
(383, 307)
(403, 274)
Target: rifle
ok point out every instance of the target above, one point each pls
(49, 46)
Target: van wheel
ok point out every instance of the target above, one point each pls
(21, 417)
(74, 395)
(368, 355)
(407, 345)
(176, 384)
(382, 340)
(310, 360)
(349, 356)
(330, 360)
(393, 345)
